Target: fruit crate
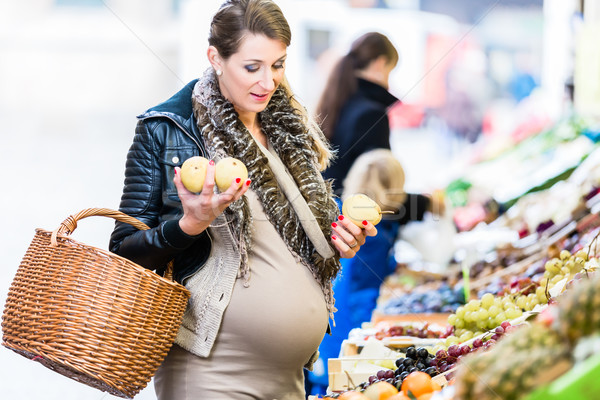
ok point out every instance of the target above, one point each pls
(346, 373)
(579, 383)
(506, 273)
(342, 374)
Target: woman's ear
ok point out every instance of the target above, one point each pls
(380, 63)
(214, 58)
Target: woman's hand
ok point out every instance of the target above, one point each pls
(347, 237)
(437, 204)
(199, 210)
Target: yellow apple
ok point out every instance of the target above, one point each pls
(228, 169)
(193, 173)
(359, 208)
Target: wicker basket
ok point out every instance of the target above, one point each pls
(89, 314)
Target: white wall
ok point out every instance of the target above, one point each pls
(71, 83)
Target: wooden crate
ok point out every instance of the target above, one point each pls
(341, 377)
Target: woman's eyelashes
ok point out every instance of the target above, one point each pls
(255, 68)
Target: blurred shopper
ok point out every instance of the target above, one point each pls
(379, 175)
(353, 107)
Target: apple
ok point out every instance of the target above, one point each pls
(193, 173)
(228, 169)
(359, 208)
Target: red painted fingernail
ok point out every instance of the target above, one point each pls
(238, 180)
(248, 182)
(212, 162)
(365, 223)
(341, 217)
(333, 237)
(333, 224)
(176, 171)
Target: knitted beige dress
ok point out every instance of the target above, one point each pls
(269, 331)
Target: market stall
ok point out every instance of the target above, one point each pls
(517, 283)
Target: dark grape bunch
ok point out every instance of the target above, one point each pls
(416, 359)
(445, 360)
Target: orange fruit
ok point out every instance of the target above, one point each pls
(417, 383)
(380, 391)
(352, 395)
(399, 396)
(436, 387)
(426, 396)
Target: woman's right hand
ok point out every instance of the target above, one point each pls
(199, 210)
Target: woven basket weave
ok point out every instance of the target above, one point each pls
(89, 314)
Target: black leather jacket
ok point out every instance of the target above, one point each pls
(165, 136)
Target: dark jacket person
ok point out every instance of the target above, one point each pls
(354, 104)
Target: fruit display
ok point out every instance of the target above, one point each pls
(532, 165)
(538, 351)
(359, 207)
(423, 331)
(415, 385)
(416, 359)
(441, 358)
(512, 284)
(533, 350)
(566, 266)
(578, 314)
(489, 312)
(484, 268)
(521, 295)
(531, 302)
(444, 299)
(404, 281)
(446, 359)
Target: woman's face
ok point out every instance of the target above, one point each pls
(251, 75)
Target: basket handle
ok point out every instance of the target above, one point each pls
(70, 224)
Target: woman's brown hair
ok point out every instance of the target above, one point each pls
(343, 83)
(237, 18)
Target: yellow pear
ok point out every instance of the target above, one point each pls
(359, 208)
(193, 173)
(228, 169)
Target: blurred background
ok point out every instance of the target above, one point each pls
(475, 77)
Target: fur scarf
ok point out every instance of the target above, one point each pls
(225, 135)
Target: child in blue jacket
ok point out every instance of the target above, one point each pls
(378, 174)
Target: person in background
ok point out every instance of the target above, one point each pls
(258, 258)
(353, 107)
(378, 174)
